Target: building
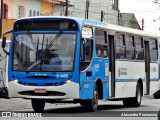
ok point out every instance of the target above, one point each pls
(128, 20)
(59, 8)
(105, 10)
(46, 7)
(14, 9)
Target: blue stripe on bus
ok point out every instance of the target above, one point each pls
(122, 80)
(133, 80)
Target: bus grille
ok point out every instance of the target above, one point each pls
(48, 93)
(45, 84)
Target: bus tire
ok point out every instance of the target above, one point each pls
(93, 103)
(136, 101)
(38, 105)
(157, 95)
(83, 103)
(127, 102)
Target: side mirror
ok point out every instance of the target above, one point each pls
(4, 45)
(4, 42)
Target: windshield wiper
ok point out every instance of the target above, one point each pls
(49, 46)
(33, 65)
(44, 54)
(32, 41)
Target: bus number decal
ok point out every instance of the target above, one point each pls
(96, 67)
(86, 86)
(62, 75)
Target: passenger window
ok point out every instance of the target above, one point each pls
(153, 50)
(101, 43)
(139, 50)
(120, 46)
(87, 52)
(86, 48)
(130, 52)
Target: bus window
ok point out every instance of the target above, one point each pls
(44, 52)
(139, 48)
(87, 32)
(130, 47)
(88, 52)
(89, 48)
(101, 44)
(120, 46)
(153, 50)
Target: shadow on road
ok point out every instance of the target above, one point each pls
(79, 109)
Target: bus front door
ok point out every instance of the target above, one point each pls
(147, 68)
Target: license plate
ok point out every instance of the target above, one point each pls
(40, 90)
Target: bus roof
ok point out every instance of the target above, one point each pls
(101, 25)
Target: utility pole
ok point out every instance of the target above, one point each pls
(142, 24)
(87, 9)
(66, 11)
(102, 16)
(1, 19)
(118, 17)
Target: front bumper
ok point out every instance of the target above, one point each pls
(69, 90)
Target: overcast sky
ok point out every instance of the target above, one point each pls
(143, 9)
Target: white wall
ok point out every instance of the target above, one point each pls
(28, 4)
(33, 5)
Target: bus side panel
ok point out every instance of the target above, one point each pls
(87, 85)
(127, 75)
(123, 79)
(138, 73)
(154, 80)
(98, 70)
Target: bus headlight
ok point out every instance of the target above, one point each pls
(68, 81)
(16, 81)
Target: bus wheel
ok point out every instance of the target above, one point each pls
(93, 103)
(38, 105)
(127, 102)
(136, 101)
(83, 103)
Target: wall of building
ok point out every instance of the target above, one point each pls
(33, 5)
(15, 7)
(46, 8)
(11, 9)
(27, 4)
(7, 25)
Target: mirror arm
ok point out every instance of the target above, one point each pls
(6, 51)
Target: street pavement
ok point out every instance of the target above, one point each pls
(108, 110)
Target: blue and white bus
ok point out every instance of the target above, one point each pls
(52, 59)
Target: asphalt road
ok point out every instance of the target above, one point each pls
(108, 110)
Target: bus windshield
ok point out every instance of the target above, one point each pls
(44, 52)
